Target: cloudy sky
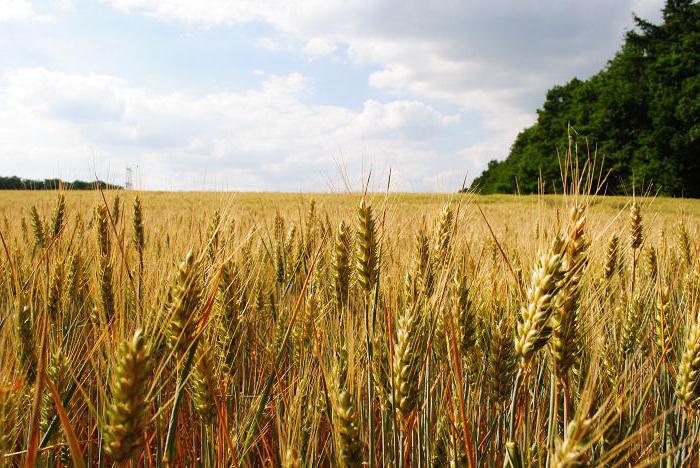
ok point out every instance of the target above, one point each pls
(286, 95)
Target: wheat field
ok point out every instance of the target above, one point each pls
(181, 329)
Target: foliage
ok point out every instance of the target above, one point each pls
(17, 183)
(641, 112)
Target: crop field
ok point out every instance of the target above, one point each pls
(222, 329)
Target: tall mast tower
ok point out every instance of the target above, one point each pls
(129, 182)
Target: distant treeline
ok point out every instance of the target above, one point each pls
(17, 183)
(642, 112)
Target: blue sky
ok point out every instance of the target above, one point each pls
(268, 95)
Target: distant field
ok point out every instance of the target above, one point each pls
(188, 213)
(265, 328)
(400, 205)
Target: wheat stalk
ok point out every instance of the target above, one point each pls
(688, 379)
(125, 416)
(408, 357)
(341, 264)
(534, 329)
(105, 273)
(185, 296)
(565, 343)
(345, 422)
(367, 263)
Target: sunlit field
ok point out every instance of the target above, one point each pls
(266, 329)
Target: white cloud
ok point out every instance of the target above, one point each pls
(89, 98)
(269, 137)
(64, 6)
(648, 9)
(268, 43)
(488, 61)
(208, 12)
(492, 57)
(410, 119)
(13, 10)
(319, 47)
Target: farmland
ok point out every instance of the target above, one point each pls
(271, 329)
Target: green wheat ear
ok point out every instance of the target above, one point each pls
(571, 451)
(75, 283)
(103, 240)
(408, 357)
(688, 380)
(139, 236)
(636, 228)
(186, 294)
(423, 266)
(367, 265)
(59, 372)
(611, 256)
(58, 216)
(55, 292)
(534, 329)
(203, 385)
(565, 343)
(464, 311)
(443, 237)
(230, 301)
(502, 363)
(37, 229)
(125, 416)
(662, 319)
(105, 273)
(214, 236)
(116, 209)
(345, 419)
(27, 358)
(341, 264)
(652, 262)
(684, 244)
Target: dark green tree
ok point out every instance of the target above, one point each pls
(16, 183)
(641, 112)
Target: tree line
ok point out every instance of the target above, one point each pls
(641, 113)
(17, 183)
